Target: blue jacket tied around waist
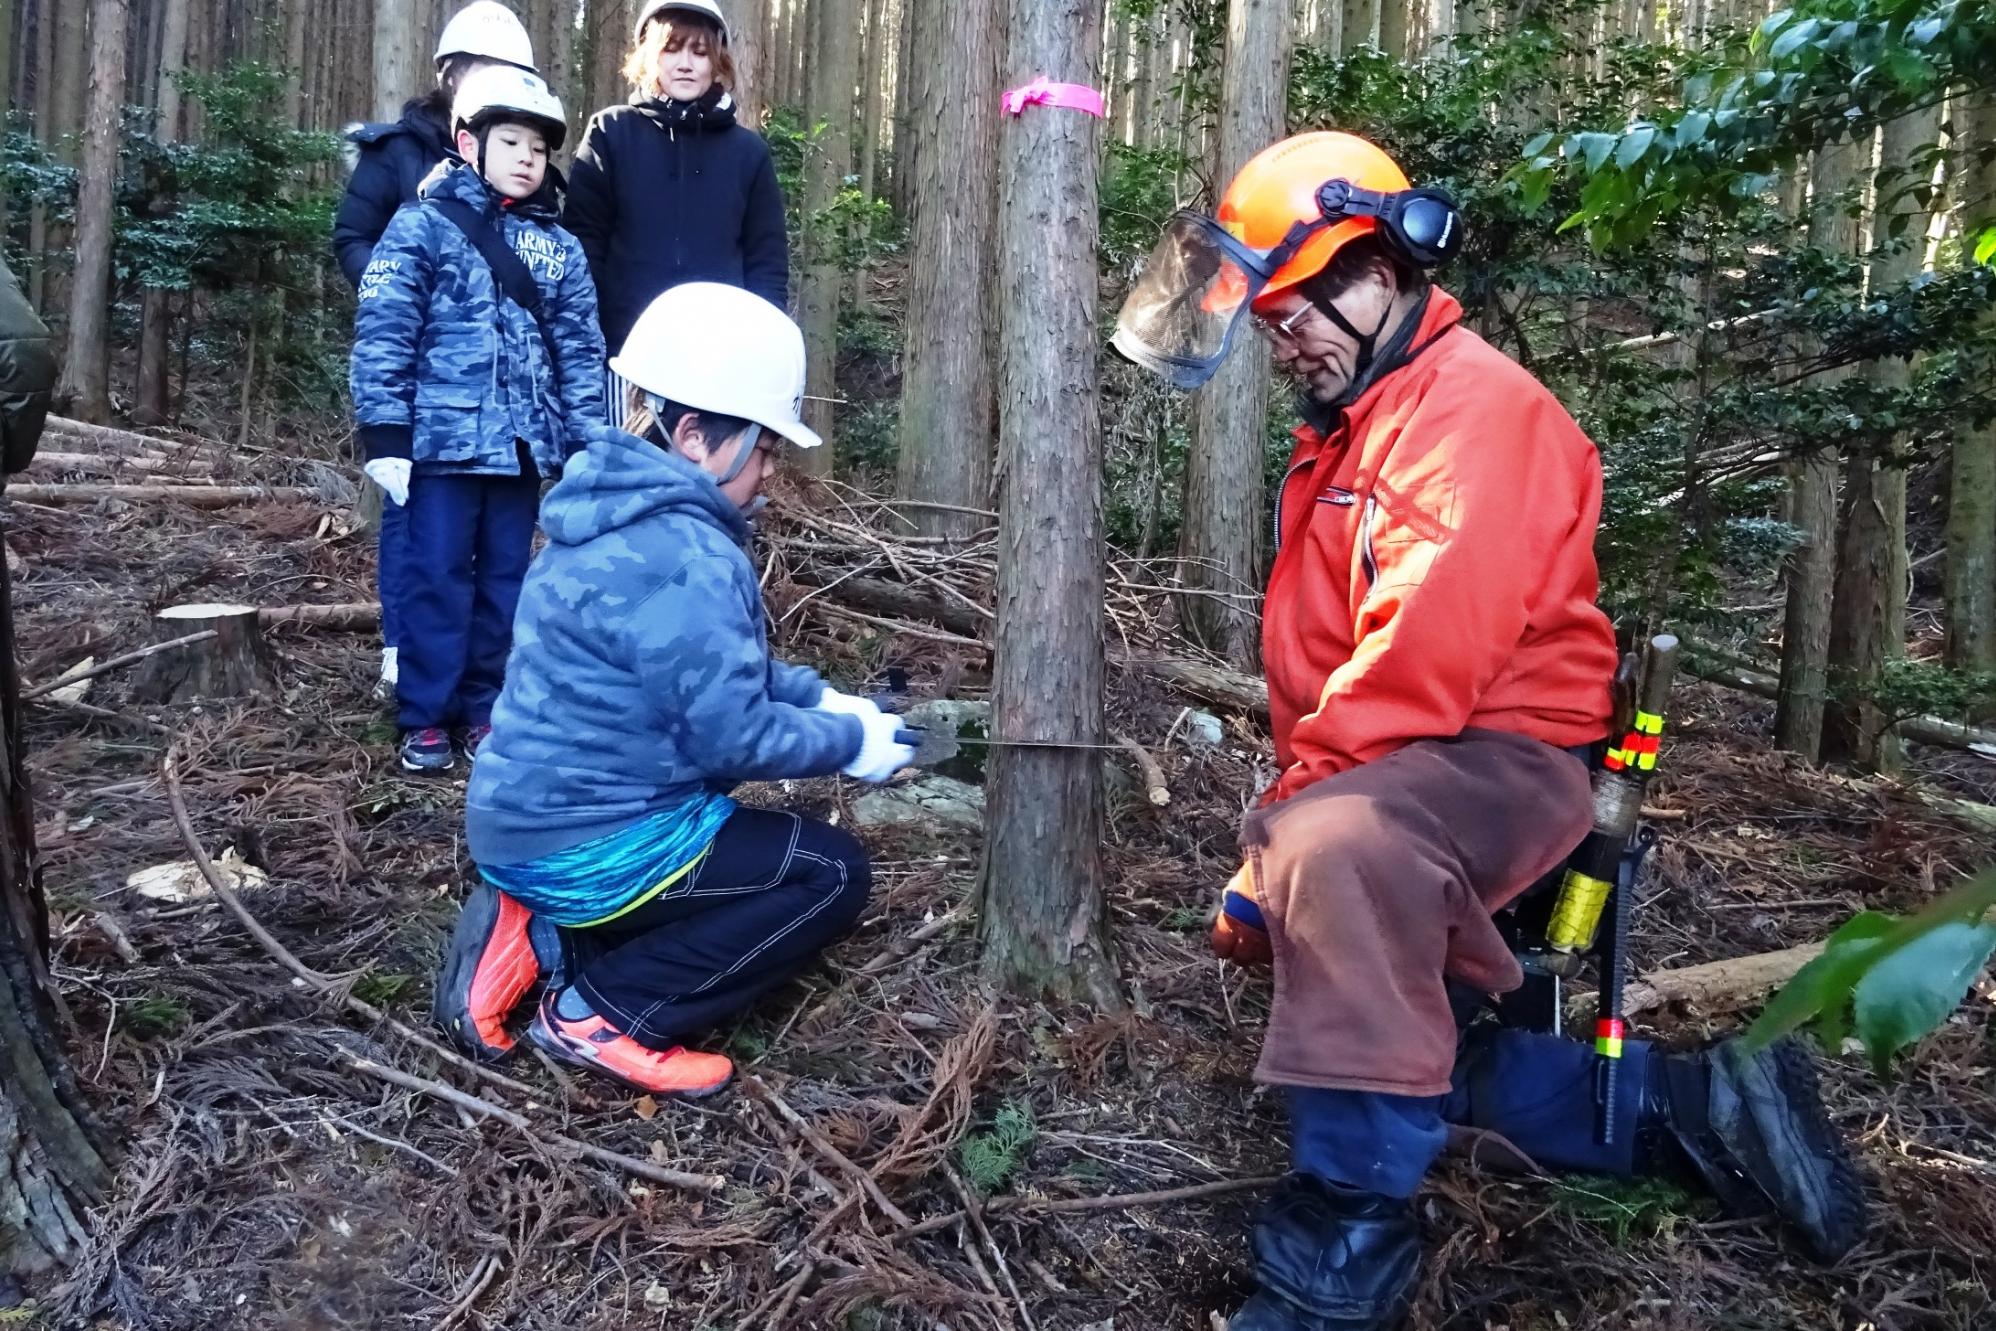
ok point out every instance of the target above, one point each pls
(640, 684)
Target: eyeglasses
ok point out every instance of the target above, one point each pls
(1284, 330)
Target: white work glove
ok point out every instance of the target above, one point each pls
(392, 475)
(880, 754)
(846, 704)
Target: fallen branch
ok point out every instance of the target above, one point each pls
(106, 436)
(117, 462)
(1112, 1202)
(1719, 986)
(319, 983)
(489, 1266)
(64, 680)
(630, 1164)
(823, 1147)
(344, 616)
(1153, 775)
(1925, 729)
(194, 496)
(975, 1214)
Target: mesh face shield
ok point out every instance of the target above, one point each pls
(1182, 316)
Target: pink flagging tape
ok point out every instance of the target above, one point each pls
(1044, 92)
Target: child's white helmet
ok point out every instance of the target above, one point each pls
(717, 348)
(705, 8)
(501, 92)
(488, 30)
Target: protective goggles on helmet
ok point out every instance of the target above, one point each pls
(1200, 282)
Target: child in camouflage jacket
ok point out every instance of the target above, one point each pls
(466, 400)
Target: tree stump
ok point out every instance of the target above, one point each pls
(234, 663)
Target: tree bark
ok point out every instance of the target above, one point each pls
(1811, 567)
(1396, 20)
(1868, 623)
(827, 162)
(295, 18)
(911, 49)
(1221, 537)
(1041, 892)
(51, 1168)
(399, 51)
(748, 44)
(1359, 18)
(172, 60)
(871, 95)
(946, 384)
(86, 371)
(1968, 577)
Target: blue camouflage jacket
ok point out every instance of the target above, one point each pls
(640, 681)
(448, 372)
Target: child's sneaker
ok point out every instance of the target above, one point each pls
(489, 965)
(593, 1043)
(428, 750)
(474, 739)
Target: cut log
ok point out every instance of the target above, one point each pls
(105, 436)
(1925, 729)
(195, 496)
(341, 617)
(234, 663)
(197, 467)
(1719, 986)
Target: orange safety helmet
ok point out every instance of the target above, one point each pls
(1277, 189)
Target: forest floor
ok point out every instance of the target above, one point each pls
(266, 1181)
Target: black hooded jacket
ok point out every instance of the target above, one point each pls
(668, 192)
(394, 160)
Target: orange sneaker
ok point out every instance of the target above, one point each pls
(488, 967)
(594, 1043)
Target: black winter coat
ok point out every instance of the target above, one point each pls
(668, 192)
(27, 373)
(394, 160)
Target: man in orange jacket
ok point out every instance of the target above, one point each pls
(1438, 677)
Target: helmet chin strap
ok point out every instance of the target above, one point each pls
(1368, 343)
(749, 437)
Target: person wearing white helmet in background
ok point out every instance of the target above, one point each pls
(476, 367)
(668, 188)
(389, 162)
(640, 692)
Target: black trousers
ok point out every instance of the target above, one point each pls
(772, 892)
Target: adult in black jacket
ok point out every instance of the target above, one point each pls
(669, 188)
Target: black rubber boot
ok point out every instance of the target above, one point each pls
(1756, 1131)
(1330, 1259)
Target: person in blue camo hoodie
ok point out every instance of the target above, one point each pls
(465, 400)
(640, 692)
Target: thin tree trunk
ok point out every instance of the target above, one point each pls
(747, 44)
(1041, 891)
(871, 95)
(172, 59)
(1968, 578)
(1151, 44)
(835, 71)
(1221, 537)
(1395, 22)
(1811, 568)
(1868, 625)
(1360, 17)
(155, 336)
(295, 16)
(399, 64)
(86, 385)
(908, 48)
(946, 385)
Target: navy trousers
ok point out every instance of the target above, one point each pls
(1535, 1090)
(466, 546)
(389, 559)
(772, 892)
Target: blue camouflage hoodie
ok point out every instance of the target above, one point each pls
(640, 679)
(446, 370)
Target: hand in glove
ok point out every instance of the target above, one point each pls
(881, 754)
(392, 475)
(847, 704)
(1240, 935)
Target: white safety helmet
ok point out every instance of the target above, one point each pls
(502, 92)
(711, 347)
(705, 8)
(488, 30)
